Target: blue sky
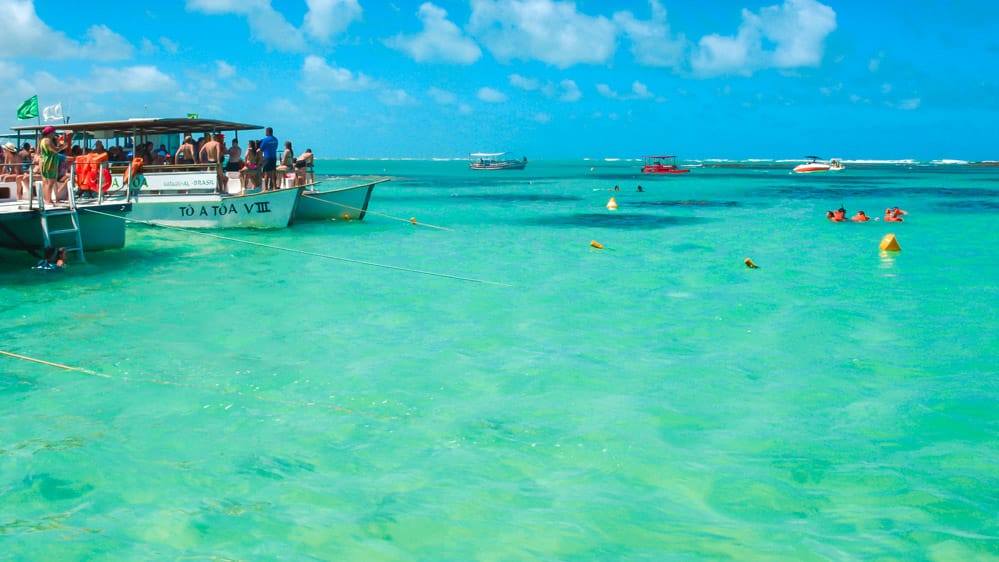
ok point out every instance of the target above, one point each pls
(542, 78)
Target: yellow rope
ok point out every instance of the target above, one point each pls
(177, 384)
(303, 252)
(370, 212)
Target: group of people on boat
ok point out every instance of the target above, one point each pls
(259, 167)
(892, 214)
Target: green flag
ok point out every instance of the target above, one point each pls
(29, 108)
(192, 115)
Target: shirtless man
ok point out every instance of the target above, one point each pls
(212, 153)
(235, 157)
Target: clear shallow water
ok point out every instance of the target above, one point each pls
(547, 401)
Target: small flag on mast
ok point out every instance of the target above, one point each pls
(192, 115)
(52, 112)
(28, 108)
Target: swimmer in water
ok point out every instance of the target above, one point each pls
(860, 217)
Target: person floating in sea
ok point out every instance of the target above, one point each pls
(53, 261)
(839, 215)
(891, 216)
(860, 217)
(898, 212)
(640, 189)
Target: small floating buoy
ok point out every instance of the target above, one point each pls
(596, 244)
(346, 217)
(612, 204)
(890, 244)
(412, 220)
(749, 263)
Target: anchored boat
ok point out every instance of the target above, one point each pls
(495, 161)
(186, 195)
(661, 165)
(815, 164)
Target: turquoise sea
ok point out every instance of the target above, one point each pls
(486, 385)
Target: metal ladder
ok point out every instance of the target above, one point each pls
(71, 231)
(64, 231)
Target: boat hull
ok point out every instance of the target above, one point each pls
(346, 203)
(811, 168)
(102, 227)
(268, 209)
(664, 170)
(508, 165)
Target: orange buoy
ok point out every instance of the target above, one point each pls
(596, 244)
(412, 220)
(749, 263)
(612, 204)
(889, 244)
(346, 217)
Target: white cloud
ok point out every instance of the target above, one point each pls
(132, 79)
(797, 29)
(328, 18)
(907, 104)
(491, 95)
(566, 90)
(318, 76)
(524, 83)
(267, 25)
(224, 69)
(396, 97)
(440, 40)
(26, 35)
(546, 30)
(639, 91)
(541, 117)
(570, 91)
(442, 97)
(651, 41)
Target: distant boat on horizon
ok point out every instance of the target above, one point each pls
(661, 165)
(815, 164)
(495, 161)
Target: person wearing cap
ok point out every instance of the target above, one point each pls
(10, 166)
(51, 147)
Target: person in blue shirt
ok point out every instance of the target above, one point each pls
(269, 147)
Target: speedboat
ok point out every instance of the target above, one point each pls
(661, 165)
(336, 203)
(495, 161)
(814, 164)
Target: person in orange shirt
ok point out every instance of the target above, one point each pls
(860, 217)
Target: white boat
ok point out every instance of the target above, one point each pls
(336, 203)
(495, 161)
(814, 164)
(184, 195)
(77, 226)
(27, 224)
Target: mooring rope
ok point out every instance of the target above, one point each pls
(370, 212)
(208, 389)
(303, 252)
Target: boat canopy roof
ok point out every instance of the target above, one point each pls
(487, 154)
(144, 126)
(665, 156)
(813, 157)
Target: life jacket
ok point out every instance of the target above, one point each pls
(135, 168)
(88, 167)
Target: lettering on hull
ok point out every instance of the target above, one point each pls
(221, 210)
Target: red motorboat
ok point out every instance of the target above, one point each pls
(661, 165)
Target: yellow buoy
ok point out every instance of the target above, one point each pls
(612, 204)
(749, 263)
(889, 244)
(596, 244)
(412, 220)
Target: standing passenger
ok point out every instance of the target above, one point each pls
(268, 147)
(235, 157)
